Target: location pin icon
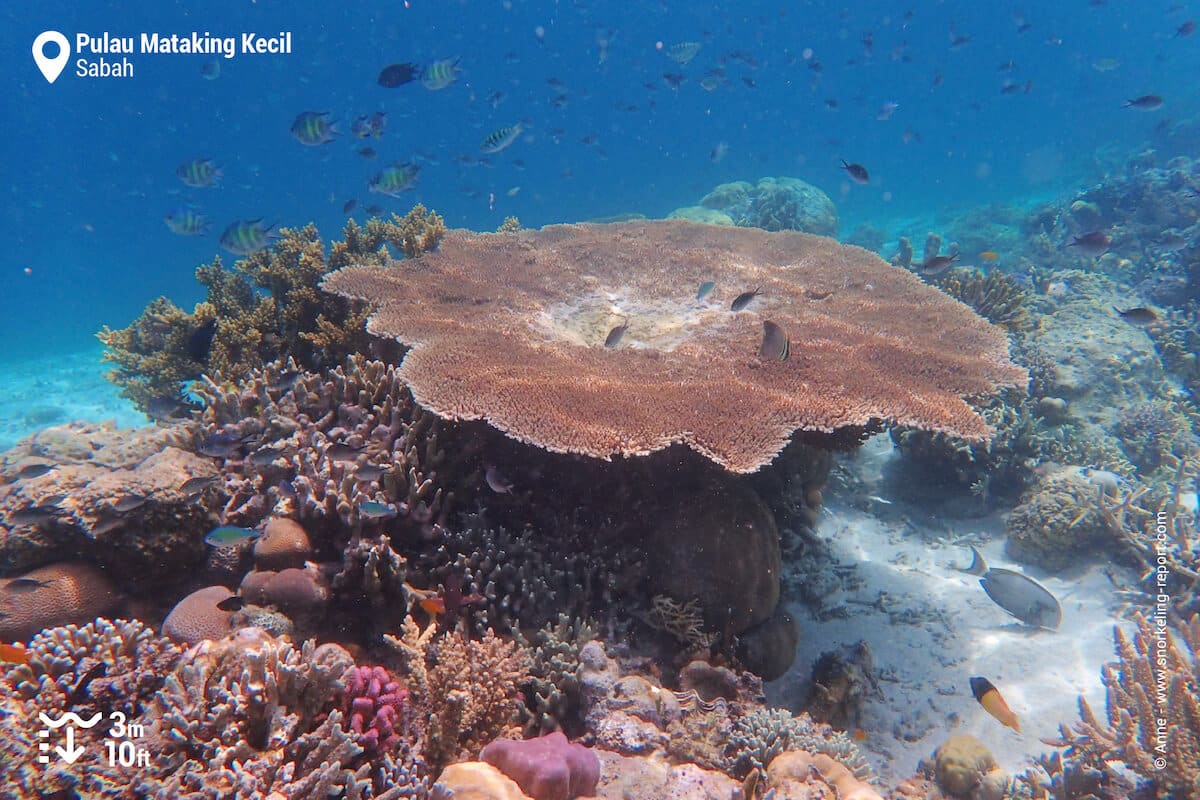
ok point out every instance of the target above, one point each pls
(51, 67)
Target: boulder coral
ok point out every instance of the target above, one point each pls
(63, 593)
(511, 329)
(546, 768)
(775, 204)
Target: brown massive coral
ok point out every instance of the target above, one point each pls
(512, 328)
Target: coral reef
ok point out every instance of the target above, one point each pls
(267, 307)
(790, 774)
(1060, 519)
(500, 282)
(960, 764)
(1154, 733)
(773, 204)
(995, 296)
(199, 616)
(465, 693)
(57, 594)
(112, 497)
(548, 767)
(761, 734)
(375, 702)
(552, 685)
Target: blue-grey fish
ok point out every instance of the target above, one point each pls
(266, 456)
(36, 470)
(743, 299)
(775, 344)
(248, 236)
(343, 452)
(705, 290)
(313, 128)
(1019, 595)
(497, 482)
(230, 536)
(18, 585)
(395, 179)
(936, 265)
(613, 339)
(500, 138)
(857, 172)
(130, 502)
(196, 486)
(369, 472)
(375, 510)
(199, 173)
(187, 221)
(440, 74)
(222, 445)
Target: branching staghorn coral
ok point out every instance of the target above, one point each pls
(465, 692)
(269, 306)
(1153, 721)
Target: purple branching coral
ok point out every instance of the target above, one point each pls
(376, 705)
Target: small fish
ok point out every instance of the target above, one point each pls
(130, 502)
(1019, 595)
(1147, 102)
(375, 510)
(80, 690)
(1186, 29)
(232, 603)
(369, 472)
(30, 471)
(857, 172)
(989, 697)
(14, 653)
(1140, 316)
(349, 205)
(613, 339)
(199, 341)
(187, 221)
(32, 515)
(720, 149)
(343, 452)
(674, 80)
(433, 606)
(21, 585)
(211, 70)
(500, 139)
(705, 290)
(886, 111)
(1106, 64)
(989, 255)
(775, 344)
(247, 236)
(199, 173)
(497, 482)
(222, 445)
(394, 75)
(313, 128)
(1095, 243)
(366, 152)
(683, 52)
(936, 265)
(195, 486)
(266, 456)
(395, 180)
(743, 299)
(440, 74)
(230, 536)
(859, 735)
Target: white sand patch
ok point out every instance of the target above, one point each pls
(931, 628)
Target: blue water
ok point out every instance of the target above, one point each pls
(89, 164)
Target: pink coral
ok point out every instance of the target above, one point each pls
(375, 703)
(546, 768)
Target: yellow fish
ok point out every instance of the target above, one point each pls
(989, 697)
(990, 255)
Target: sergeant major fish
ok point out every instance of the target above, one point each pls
(313, 128)
(199, 173)
(247, 236)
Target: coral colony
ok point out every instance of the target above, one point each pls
(439, 514)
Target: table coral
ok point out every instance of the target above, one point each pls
(548, 767)
(510, 328)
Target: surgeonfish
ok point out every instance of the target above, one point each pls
(857, 172)
(1019, 595)
(1092, 244)
(989, 697)
(1140, 316)
(613, 340)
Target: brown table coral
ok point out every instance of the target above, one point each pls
(511, 328)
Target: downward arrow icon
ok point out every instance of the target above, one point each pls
(71, 753)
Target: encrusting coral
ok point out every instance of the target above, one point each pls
(511, 328)
(1153, 721)
(268, 306)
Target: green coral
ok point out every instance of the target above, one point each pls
(552, 688)
(1059, 520)
(995, 296)
(760, 735)
(268, 306)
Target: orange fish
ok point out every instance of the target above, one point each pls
(433, 605)
(989, 697)
(990, 255)
(14, 653)
(860, 735)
